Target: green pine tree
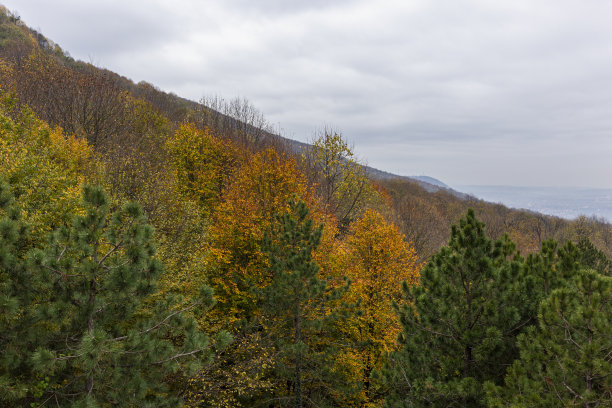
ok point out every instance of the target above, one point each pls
(565, 361)
(591, 257)
(544, 272)
(19, 332)
(459, 323)
(298, 316)
(100, 341)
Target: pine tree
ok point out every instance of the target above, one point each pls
(458, 324)
(296, 307)
(18, 288)
(565, 361)
(591, 257)
(100, 341)
(555, 267)
(543, 272)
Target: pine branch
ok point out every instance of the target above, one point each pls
(161, 322)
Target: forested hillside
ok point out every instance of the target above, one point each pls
(157, 252)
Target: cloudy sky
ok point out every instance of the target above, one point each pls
(506, 92)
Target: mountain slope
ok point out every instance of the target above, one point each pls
(128, 125)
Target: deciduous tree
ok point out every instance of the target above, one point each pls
(44, 166)
(377, 259)
(202, 164)
(263, 188)
(342, 182)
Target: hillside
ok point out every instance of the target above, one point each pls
(155, 251)
(422, 207)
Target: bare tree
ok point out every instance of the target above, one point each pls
(236, 119)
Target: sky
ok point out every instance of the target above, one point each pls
(472, 92)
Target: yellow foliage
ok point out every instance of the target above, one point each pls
(240, 372)
(263, 187)
(341, 181)
(202, 164)
(44, 167)
(377, 259)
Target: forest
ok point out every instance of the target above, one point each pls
(158, 252)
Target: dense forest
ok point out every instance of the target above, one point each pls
(160, 252)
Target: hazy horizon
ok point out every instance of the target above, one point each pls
(564, 202)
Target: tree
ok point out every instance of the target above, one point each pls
(237, 120)
(261, 189)
(44, 167)
(99, 339)
(134, 158)
(591, 257)
(459, 324)
(18, 334)
(202, 164)
(239, 376)
(567, 359)
(342, 182)
(297, 313)
(86, 101)
(420, 220)
(235, 265)
(377, 259)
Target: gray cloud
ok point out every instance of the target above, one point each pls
(471, 91)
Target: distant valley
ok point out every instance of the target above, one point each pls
(564, 202)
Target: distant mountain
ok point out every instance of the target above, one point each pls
(431, 180)
(433, 185)
(429, 184)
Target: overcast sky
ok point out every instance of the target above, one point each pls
(505, 92)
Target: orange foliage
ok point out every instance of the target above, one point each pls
(377, 259)
(262, 189)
